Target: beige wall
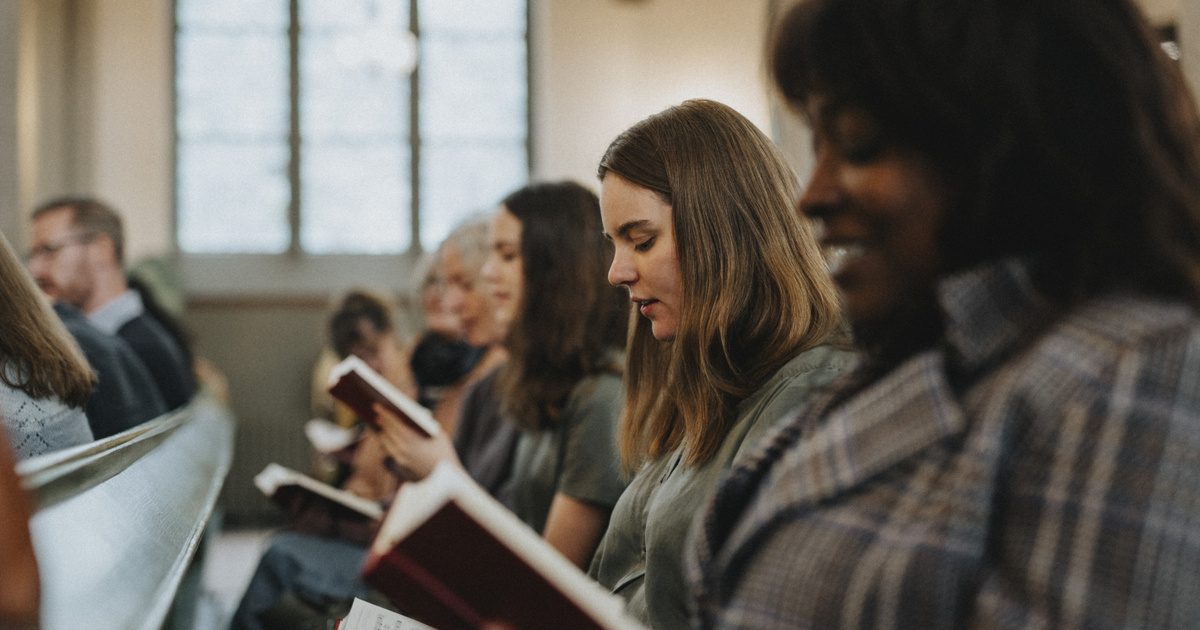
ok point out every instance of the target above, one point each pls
(600, 66)
(96, 109)
(9, 171)
(130, 159)
(1161, 11)
(1189, 39)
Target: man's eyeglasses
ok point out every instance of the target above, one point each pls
(50, 250)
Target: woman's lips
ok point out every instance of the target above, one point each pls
(645, 306)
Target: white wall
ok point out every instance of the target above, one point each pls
(601, 65)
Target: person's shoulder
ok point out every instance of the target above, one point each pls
(145, 332)
(1124, 320)
(598, 385)
(818, 365)
(1103, 331)
(1118, 344)
(793, 383)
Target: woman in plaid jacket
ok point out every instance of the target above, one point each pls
(1013, 191)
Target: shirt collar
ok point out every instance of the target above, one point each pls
(989, 312)
(112, 316)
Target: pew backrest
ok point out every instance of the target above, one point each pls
(117, 521)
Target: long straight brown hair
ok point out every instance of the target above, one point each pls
(37, 354)
(571, 322)
(756, 291)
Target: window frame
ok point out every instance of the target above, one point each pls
(295, 272)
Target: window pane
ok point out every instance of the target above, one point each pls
(322, 14)
(355, 59)
(354, 96)
(477, 16)
(473, 88)
(459, 180)
(232, 85)
(232, 14)
(344, 95)
(355, 198)
(232, 198)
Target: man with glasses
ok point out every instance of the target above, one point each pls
(77, 257)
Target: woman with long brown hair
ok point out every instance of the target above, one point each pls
(44, 379)
(562, 383)
(735, 316)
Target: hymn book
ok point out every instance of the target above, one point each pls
(354, 382)
(274, 480)
(367, 616)
(453, 557)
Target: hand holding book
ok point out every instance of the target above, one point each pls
(414, 454)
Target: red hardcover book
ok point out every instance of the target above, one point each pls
(354, 382)
(451, 556)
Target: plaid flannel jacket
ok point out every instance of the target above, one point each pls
(1031, 472)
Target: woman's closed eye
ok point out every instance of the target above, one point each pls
(645, 245)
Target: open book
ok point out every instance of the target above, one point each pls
(454, 557)
(354, 382)
(367, 616)
(275, 479)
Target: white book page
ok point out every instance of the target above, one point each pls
(327, 437)
(367, 616)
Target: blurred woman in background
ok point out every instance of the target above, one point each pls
(562, 385)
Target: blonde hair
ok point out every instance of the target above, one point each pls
(756, 291)
(37, 354)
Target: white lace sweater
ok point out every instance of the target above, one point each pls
(40, 426)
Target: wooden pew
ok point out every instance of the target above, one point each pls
(117, 522)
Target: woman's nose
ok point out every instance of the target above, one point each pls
(621, 271)
(822, 192)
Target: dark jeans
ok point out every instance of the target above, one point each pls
(318, 571)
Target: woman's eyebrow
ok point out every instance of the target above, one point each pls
(630, 226)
